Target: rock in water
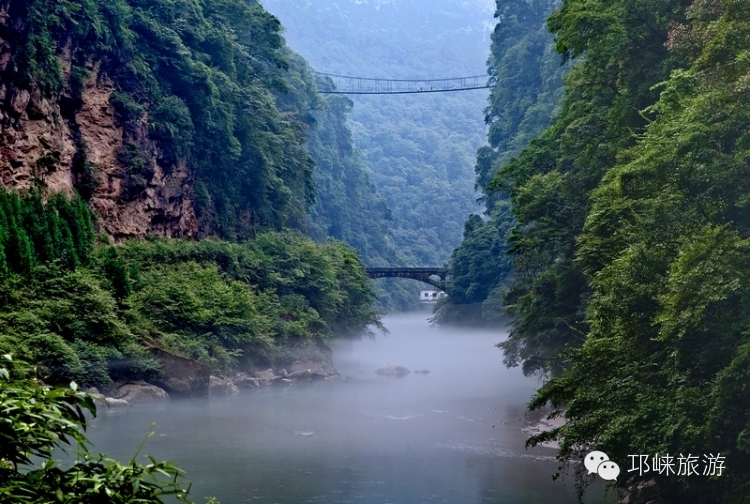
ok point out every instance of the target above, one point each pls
(393, 370)
(140, 392)
(181, 376)
(305, 375)
(219, 386)
(244, 380)
(267, 375)
(116, 403)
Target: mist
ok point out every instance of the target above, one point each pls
(455, 434)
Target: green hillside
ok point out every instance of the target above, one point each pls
(420, 149)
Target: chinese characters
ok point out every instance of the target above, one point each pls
(682, 465)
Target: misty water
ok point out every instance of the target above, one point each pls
(453, 435)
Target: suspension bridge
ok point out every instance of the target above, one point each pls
(343, 84)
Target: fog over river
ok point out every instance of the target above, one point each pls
(453, 435)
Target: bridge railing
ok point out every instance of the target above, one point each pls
(345, 84)
(426, 275)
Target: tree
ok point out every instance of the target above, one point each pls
(620, 47)
(665, 248)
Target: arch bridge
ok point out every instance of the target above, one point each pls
(426, 275)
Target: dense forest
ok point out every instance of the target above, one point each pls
(627, 234)
(90, 312)
(526, 77)
(614, 233)
(252, 176)
(419, 150)
(203, 86)
(347, 206)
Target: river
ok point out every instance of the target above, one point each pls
(453, 435)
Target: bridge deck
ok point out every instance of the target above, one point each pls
(429, 271)
(426, 275)
(344, 84)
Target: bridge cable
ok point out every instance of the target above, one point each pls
(346, 84)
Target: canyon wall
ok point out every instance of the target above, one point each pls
(74, 141)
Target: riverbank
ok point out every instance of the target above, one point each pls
(173, 313)
(537, 426)
(299, 360)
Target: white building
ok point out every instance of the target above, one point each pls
(431, 296)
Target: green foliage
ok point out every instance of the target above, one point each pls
(170, 124)
(201, 314)
(550, 181)
(418, 149)
(347, 206)
(137, 170)
(126, 107)
(86, 173)
(84, 314)
(220, 303)
(478, 271)
(203, 73)
(662, 364)
(32, 232)
(527, 87)
(526, 79)
(69, 324)
(78, 77)
(37, 420)
(327, 279)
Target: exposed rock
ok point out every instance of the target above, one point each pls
(220, 386)
(643, 492)
(543, 425)
(305, 375)
(182, 376)
(5, 56)
(393, 370)
(40, 137)
(38, 107)
(140, 392)
(266, 375)
(116, 403)
(303, 355)
(245, 381)
(19, 100)
(324, 372)
(94, 392)
(109, 401)
(163, 207)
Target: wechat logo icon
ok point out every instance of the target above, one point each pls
(599, 463)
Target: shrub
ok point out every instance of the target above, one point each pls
(37, 420)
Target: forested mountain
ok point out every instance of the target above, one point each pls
(420, 148)
(630, 243)
(603, 112)
(127, 126)
(148, 119)
(347, 206)
(183, 95)
(526, 75)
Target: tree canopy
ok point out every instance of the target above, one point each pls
(629, 246)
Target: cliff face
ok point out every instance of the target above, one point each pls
(44, 141)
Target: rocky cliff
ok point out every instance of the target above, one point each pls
(169, 120)
(74, 140)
